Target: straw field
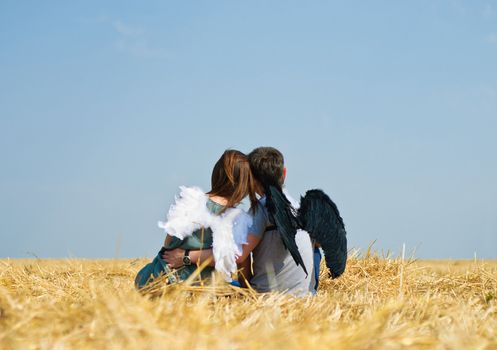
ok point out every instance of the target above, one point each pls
(379, 303)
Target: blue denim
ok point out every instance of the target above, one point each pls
(317, 262)
(236, 283)
(153, 270)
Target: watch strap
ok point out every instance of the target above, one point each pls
(186, 258)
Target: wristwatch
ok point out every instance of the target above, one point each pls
(186, 258)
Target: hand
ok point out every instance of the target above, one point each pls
(174, 258)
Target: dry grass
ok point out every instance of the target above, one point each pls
(92, 304)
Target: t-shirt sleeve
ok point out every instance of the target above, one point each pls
(241, 225)
(259, 222)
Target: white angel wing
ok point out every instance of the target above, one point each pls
(223, 243)
(188, 214)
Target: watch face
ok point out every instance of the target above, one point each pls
(186, 260)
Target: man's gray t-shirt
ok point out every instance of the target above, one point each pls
(274, 267)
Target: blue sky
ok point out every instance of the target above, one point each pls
(107, 107)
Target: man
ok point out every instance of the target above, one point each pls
(273, 266)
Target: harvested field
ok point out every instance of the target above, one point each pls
(379, 303)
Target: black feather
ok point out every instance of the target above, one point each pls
(284, 217)
(319, 216)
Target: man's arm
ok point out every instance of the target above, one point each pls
(252, 242)
(175, 257)
(245, 272)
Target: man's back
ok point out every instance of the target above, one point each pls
(273, 266)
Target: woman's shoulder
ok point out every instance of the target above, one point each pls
(214, 207)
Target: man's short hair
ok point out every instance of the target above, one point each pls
(267, 164)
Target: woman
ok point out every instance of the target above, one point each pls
(200, 221)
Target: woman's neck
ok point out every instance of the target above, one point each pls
(219, 200)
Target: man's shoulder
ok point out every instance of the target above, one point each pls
(259, 218)
(260, 212)
(262, 202)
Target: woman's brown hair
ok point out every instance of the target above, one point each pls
(232, 179)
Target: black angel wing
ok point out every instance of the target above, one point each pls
(285, 219)
(319, 216)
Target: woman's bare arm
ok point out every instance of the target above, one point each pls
(245, 272)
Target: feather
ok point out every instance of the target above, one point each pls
(187, 214)
(319, 216)
(224, 248)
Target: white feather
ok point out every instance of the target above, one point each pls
(223, 244)
(187, 214)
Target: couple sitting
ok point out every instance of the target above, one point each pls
(266, 245)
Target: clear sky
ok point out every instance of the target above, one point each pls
(107, 107)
